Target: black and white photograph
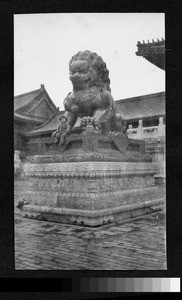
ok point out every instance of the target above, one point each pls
(89, 141)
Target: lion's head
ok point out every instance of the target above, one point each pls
(88, 69)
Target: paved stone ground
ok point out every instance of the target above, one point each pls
(138, 244)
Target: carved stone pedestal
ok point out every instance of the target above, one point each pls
(91, 193)
(98, 175)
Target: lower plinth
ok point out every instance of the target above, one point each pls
(91, 193)
(92, 218)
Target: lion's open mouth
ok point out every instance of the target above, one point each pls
(80, 83)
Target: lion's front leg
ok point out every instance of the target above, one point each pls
(71, 118)
(120, 123)
(103, 117)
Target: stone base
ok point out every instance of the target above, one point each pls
(91, 218)
(91, 193)
(87, 147)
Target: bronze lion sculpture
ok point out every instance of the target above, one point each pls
(91, 95)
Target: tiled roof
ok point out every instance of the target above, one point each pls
(51, 125)
(24, 99)
(153, 52)
(27, 99)
(142, 107)
(48, 126)
(34, 119)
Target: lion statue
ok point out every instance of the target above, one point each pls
(91, 95)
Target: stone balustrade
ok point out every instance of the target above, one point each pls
(147, 132)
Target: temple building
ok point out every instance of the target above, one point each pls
(154, 52)
(31, 110)
(145, 117)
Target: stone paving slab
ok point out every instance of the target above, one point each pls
(137, 244)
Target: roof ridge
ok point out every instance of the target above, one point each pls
(50, 99)
(153, 42)
(141, 97)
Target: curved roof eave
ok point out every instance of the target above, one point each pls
(24, 118)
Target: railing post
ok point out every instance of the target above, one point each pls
(140, 128)
(161, 126)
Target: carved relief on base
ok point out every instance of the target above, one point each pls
(88, 169)
(87, 200)
(91, 185)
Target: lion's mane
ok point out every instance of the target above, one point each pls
(102, 79)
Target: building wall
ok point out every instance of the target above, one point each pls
(19, 143)
(24, 126)
(19, 129)
(38, 145)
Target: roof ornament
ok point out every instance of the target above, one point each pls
(143, 42)
(42, 86)
(153, 41)
(148, 41)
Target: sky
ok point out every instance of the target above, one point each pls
(45, 43)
